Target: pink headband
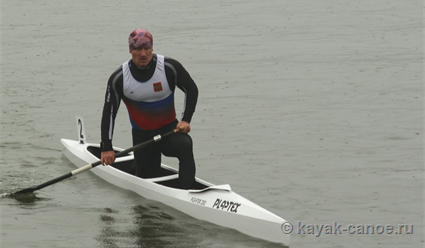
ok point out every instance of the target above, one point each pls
(140, 38)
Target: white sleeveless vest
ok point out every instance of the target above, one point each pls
(150, 104)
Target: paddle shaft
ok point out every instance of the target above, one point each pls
(89, 166)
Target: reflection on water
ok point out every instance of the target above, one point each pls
(152, 227)
(157, 228)
(160, 226)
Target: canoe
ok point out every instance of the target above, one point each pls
(217, 204)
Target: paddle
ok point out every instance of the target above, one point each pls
(89, 166)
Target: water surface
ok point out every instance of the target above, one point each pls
(312, 109)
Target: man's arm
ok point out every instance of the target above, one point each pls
(110, 108)
(178, 76)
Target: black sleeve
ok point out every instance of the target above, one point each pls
(114, 93)
(178, 76)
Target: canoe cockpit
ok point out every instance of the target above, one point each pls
(169, 176)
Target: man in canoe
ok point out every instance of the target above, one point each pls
(146, 84)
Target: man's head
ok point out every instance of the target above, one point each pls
(140, 43)
(140, 38)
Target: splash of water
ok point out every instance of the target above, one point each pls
(4, 195)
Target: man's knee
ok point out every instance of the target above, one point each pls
(186, 142)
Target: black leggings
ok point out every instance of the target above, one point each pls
(179, 145)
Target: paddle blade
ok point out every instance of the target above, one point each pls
(25, 191)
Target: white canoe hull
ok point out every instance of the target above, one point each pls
(221, 207)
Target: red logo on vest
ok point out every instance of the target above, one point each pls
(157, 87)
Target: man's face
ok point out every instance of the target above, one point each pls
(141, 56)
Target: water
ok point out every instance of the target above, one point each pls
(312, 109)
